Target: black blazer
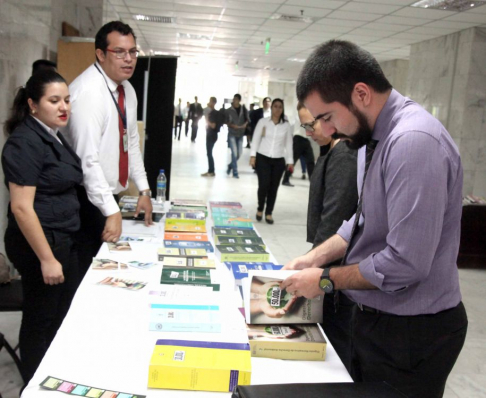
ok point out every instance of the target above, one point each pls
(195, 109)
(255, 116)
(33, 157)
(333, 195)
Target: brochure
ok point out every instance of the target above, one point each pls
(104, 263)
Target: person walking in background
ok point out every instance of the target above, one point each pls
(178, 119)
(185, 116)
(215, 120)
(41, 172)
(271, 151)
(301, 147)
(257, 114)
(103, 131)
(237, 119)
(195, 114)
(333, 197)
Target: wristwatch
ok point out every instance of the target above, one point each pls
(146, 193)
(325, 283)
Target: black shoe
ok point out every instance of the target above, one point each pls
(303, 176)
(287, 184)
(269, 220)
(228, 170)
(259, 217)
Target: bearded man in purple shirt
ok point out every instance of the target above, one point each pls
(401, 246)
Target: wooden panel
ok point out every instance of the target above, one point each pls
(73, 58)
(69, 30)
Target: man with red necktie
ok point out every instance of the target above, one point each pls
(103, 132)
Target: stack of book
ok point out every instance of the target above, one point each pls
(185, 226)
(281, 325)
(230, 214)
(247, 246)
(128, 206)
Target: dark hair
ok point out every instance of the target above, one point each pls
(101, 39)
(43, 64)
(333, 70)
(266, 98)
(237, 96)
(282, 116)
(34, 89)
(213, 99)
(300, 105)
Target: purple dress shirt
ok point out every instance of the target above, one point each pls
(407, 246)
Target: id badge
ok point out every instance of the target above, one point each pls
(125, 141)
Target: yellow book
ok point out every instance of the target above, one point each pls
(199, 365)
(295, 342)
(185, 228)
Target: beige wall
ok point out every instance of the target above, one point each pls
(447, 76)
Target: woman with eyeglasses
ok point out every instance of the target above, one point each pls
(333, 198)
(41, 172)
(271, 154)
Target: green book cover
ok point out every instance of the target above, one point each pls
(184, 221)
(253, 253)
(232, 222)
(234, 232)
(226, 240)
(189, 277)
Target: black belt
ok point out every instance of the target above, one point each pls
(365, 308)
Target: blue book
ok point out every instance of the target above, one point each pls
(185, 318)
(180, 244)
(240, 270)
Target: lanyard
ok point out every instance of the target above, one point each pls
(123, 117)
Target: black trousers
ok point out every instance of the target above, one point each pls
(178, 123)
(302, 147)
(44, 306)
(338, 326)
(194, 127)
(211, 138)
(269, 172)
(186, 126)
(88, 238)
(414, 354)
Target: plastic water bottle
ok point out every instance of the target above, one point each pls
(161, 186)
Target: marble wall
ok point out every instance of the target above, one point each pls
(396, 71)
(29, 30)
(447, 76)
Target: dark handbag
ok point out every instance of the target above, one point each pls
(318, 390)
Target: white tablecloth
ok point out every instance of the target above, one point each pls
(104, 341)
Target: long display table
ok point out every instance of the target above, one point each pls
(105, 341)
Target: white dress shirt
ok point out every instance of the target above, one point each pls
(93, 133)
(275, 143)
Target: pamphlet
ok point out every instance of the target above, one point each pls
(119, 247)
(104, 263)
(129, 284)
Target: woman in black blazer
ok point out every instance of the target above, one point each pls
(41, 172)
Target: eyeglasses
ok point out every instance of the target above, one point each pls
(121, 54)
(310, 126)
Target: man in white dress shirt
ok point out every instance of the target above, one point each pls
(103, 132)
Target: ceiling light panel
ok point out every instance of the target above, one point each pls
(451, 5)
(154, 18)
(307, 11)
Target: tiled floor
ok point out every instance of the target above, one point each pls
(286, 239)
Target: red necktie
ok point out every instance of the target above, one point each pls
(123, 163)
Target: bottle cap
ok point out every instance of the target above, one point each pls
(161, 170)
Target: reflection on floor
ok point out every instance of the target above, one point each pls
(286, 239)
